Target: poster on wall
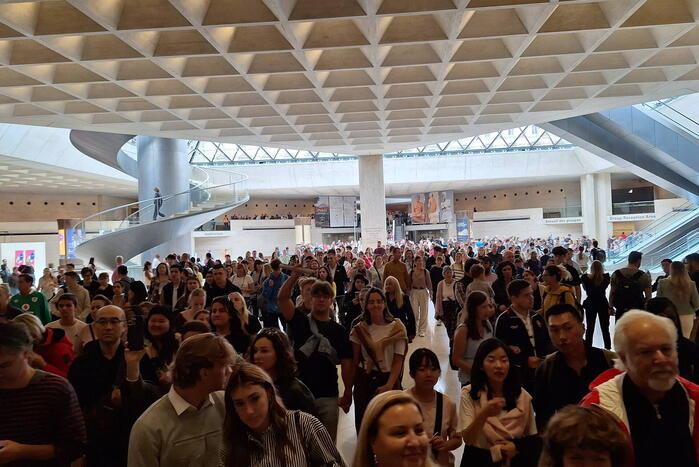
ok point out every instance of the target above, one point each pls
(417, 208)
(337, 213)
(349, 210)
(446, 206)
(433, 207)
(31, 254)
(462, 226)
(322, 212)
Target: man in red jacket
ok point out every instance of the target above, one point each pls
(656, 407)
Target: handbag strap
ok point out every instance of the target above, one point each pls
(367, 347)
(438, 415)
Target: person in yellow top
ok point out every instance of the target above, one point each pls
(553, 292)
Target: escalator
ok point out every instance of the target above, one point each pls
(656, 142)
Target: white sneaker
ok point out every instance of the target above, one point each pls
(422, 334)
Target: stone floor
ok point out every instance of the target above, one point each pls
(435, 339)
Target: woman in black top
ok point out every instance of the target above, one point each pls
(271, 351)
(505, 272)
(398, 304)
(595, 284)
(226, 322)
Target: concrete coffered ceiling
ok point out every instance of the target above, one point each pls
(345, 76)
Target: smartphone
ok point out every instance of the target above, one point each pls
(135, 333)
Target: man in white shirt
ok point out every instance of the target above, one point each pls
(67, 305)
(184, 426)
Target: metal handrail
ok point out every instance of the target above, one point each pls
(650, 232)
(192, 189)
(204, 186)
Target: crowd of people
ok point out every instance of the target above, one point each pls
(248, 361)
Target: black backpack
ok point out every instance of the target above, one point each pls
(599, 254)
(628, 294)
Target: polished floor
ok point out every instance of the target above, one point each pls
(435, 339)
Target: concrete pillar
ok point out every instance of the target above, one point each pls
(163, 163)
(372, 200)
(603, 201)
(588, 205)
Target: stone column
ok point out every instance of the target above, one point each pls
(163, 163)
(372, 200)
(603, 201)
(588, 205)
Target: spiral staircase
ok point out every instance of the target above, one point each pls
(131, 229)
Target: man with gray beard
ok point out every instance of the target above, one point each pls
(656, 407)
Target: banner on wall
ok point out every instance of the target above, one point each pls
(417, 208)
(322, 212)
(463, 226)
(349, 210)
(446, 206)
(433, 207)
(31, 254)
(337, 213)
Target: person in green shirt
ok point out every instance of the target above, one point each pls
(29, 301)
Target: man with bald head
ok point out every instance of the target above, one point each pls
(657, 408)
(98, 376)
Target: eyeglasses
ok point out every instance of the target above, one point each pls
(112, 321)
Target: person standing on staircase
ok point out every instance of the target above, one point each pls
(157, 203)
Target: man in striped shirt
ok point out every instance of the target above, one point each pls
(41, 422)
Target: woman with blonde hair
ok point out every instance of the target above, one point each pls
(377, 446)
(53, 351)
(680, 289)
(250, 323)
(195, 303)
(380, 344)
(399, 306)
(259, 430)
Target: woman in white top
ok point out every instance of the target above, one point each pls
(380, 343)
(496, 416)
(681, 290)
(445, 303)
(47, 284)
(376, 272)
(440, 425)
(583, 259)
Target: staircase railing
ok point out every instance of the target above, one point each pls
(676, 251)
(665, 224)
(211, 188)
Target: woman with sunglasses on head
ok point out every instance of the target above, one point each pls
(259, 430)
(271, 351)
(496, 417)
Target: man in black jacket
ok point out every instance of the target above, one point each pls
(524, 331)
(175, 289)
(221, 287)
(564, 377)
(111, 404)
(338, 274)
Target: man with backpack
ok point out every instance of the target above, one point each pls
(630, 287)
(597, 253)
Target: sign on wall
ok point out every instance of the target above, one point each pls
(646, 216)
(31, 254)
(446, 206)
(463, 226)
(322, 212)
(337, 215)
(417, 208)
(349, 209)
